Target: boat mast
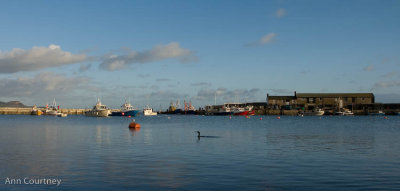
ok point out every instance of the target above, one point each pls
(215, 98)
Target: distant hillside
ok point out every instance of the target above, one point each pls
(12, 104)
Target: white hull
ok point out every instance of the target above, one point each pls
(344, 113)
(51, 112)
(150, 114)
(149, 111)
(314, 113)
(62, 115)
(97, 113)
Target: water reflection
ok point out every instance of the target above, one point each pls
(134, 131)
(103, 134)
(314, 142)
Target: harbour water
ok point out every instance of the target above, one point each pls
(290, 153)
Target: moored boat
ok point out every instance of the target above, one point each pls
(147, 111)
(52, 110)
(99, 110)
(316, 112)
(36, 111)
(126, 110)
(62, 115)
(248, 110)
(379, 113)
(345, 112)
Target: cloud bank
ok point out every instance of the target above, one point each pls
(37, 58)
(160, 52)
(43, 84)
(206, 94)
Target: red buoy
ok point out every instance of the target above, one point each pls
(278, 117)
(123, 113)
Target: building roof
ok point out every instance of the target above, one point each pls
(334, 95)
(281, 97)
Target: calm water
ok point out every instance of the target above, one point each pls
(291, 153)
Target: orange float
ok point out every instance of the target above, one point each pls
(134, 125)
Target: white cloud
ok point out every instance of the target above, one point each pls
(280, 12)
(266, 39)
(37, 58)
(369, 68)
(160, 52)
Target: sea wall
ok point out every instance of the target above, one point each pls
(28, 111)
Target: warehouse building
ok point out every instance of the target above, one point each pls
(326, 101)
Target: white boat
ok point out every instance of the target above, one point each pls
(148, 111)
(52, 110)
(316, 112)
(99, 110)
(346, 112)
(62, 115)
(379, 113)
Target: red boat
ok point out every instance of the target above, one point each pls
(245, 113)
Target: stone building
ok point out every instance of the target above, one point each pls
(330, 101)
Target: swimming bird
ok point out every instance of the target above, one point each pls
(198, 135)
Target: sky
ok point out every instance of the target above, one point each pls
(153, 52)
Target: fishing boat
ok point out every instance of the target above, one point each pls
(99, 110)
(62, 115)
(36, 111)
(224, 110)
(345, 112)
(52, 110)
(126, 110)
(147, 111)
(189, 109)
(316, 112)
(248, 110)
(379, 113)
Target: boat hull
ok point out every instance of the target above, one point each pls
(245, 113)
(222, 113)
(150, 114)
(314, 113)
(125, 113)
(98, 113)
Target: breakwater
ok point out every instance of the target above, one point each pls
(28, 111)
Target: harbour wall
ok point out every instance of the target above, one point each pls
(28, 111)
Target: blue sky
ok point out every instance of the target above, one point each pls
(152, 52)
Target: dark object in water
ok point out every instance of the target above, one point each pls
(199, 136)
